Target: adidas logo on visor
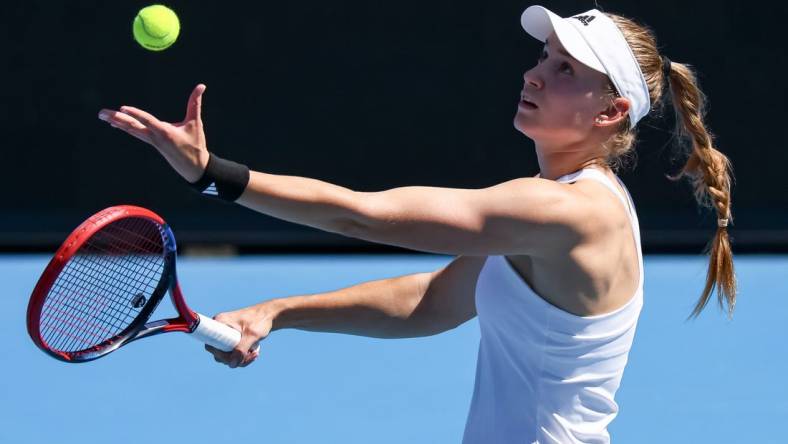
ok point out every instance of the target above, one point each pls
(585, 19)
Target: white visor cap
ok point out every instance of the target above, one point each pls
(594, 40)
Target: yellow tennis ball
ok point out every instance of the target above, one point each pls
(156, 27)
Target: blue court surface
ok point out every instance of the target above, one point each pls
(704, 381)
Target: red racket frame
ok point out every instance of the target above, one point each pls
(186, 321)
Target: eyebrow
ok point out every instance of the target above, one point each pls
(560, 51)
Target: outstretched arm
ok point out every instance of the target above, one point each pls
(522, 216)
(421, 304)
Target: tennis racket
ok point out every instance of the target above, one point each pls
(99, 290)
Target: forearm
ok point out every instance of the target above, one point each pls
(302, 200)
(387, 308)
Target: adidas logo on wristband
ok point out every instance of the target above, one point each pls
(222, 179)
(211, 190)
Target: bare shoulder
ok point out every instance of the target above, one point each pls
(607, 207)
(577, 212)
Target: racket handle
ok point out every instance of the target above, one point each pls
(216, 334)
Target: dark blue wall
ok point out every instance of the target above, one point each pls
(366, 94)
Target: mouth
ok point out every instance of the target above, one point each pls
(526, 103)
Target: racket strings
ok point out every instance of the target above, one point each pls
(83, 310)
(79, 290)
(74, 299)
(91, 270)
(87, 311)
(98, 293)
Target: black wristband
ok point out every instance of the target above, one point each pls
(223, 179)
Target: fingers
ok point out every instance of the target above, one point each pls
(115, 118)
(245, 352)
(134, 121)
(194, 106)
(253, 355)
(145, 118)
(234, 358)
(248, 344)
(126, 123)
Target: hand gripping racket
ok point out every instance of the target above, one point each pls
(101, 287)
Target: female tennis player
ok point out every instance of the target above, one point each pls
(551, 264)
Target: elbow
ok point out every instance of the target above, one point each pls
(361, 220)
(351, 227)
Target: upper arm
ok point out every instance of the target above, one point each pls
(449, 298)
(521, 216)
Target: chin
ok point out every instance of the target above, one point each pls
(522, 125)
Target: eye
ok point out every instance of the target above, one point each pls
(564, 66)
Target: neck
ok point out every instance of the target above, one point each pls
(554, 163)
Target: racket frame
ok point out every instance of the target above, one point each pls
(186, 321)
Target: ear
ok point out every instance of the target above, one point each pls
(614, 114)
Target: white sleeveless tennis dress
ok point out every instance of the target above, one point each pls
(545, 375)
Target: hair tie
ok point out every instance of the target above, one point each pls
(722, 223)
(666, 67)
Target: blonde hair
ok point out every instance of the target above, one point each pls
(708, 170)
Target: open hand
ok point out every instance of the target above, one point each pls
(182, 144)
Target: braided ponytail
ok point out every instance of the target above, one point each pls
(709, 172)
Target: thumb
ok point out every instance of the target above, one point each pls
(248, 344)
(194, 106)
(246, 351)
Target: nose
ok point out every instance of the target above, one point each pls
(532, 79)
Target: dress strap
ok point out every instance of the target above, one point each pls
(590, 173)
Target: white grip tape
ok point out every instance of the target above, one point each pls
(216, 334)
